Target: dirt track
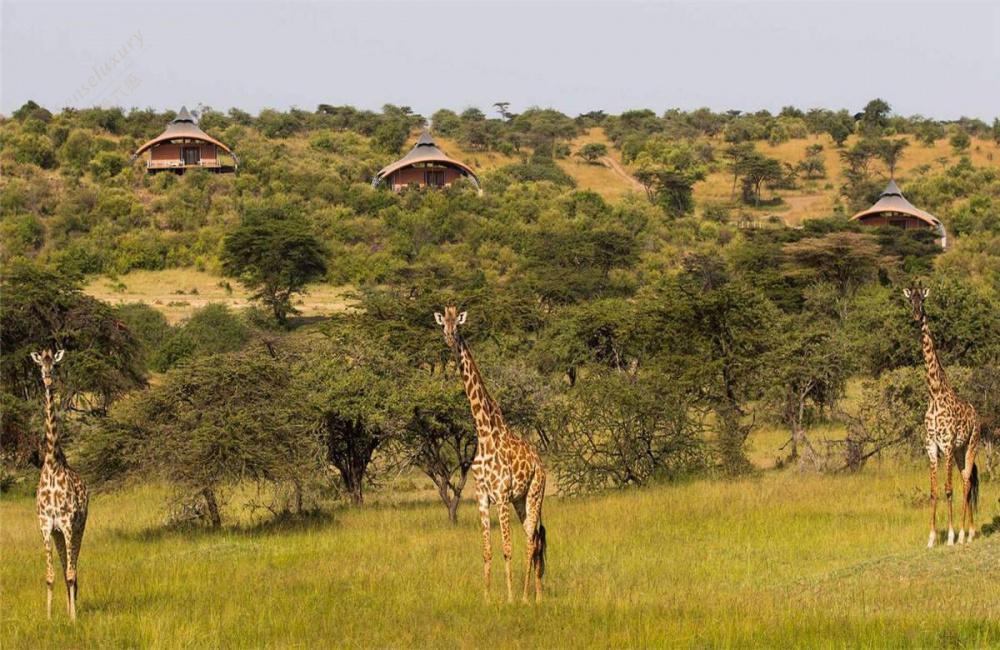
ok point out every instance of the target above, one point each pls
(617, 168)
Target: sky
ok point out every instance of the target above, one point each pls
(937, 59)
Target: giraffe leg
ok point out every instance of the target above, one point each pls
(967, 512)
(504, 513)
(948, 462)
(535, 498)
(932, 451)
(50, 571)
(60, 541)
(966, 489)
(484, 520)
(81, 524)
(521, 509)
(70, 567)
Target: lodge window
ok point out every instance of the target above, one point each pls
(191, 155)
(898, 223)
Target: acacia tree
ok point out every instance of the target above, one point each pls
(616, 430)
(274, 254)
(860, 187)
(846, 260)
(810, 366)
(42, 309)
(668, 173)
(735, 155)
(714, 332)
(813, 165)
(756, 170)
(502, 108)
(211, 424)
(438, 437)
(890, 151)
(593, 151)
(350, 379)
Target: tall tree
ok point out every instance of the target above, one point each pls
(43, 309)
(438, 437)
(813, 165)
(502, 109)
(350, 377)
(209, 425)
(715, 334)
(274, 254)
(810, 367)
(875, 117)
(756, 170)
(890, 151)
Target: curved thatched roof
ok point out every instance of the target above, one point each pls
(182, 127)
(425, 151)
(892, 200)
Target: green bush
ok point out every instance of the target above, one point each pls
(213, 329)
(107, 164)
(21, 234)
(148, 325)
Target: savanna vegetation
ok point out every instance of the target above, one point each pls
(717, 366)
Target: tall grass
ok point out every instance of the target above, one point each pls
(776, 560)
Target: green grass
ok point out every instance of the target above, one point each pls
(777, 560)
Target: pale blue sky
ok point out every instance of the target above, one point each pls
(939, 59)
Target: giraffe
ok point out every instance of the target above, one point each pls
(507, 469)
(62, 497)
(952, 427)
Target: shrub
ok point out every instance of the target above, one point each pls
(107, 164)
(21, 234)
(213, 329)
(616, 432)
(148, 325)
(215, 422)
(32, 148)
(593, 151)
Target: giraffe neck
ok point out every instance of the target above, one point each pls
(485, 412)
(52, 451)
(937, 383)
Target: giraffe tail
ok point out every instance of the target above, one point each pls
(974, 488)
(538, 559)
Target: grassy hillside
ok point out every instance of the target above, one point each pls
(816, 198)
(776, 560)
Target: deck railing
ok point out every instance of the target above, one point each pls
(178, 164)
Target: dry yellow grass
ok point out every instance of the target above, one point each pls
(601, 178)
(178, 292)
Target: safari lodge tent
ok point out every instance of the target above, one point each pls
(184, 146)
(424, 165)
(892, 209)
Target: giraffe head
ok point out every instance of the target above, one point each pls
(47, 360)
(450, 321)
(916, 296)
